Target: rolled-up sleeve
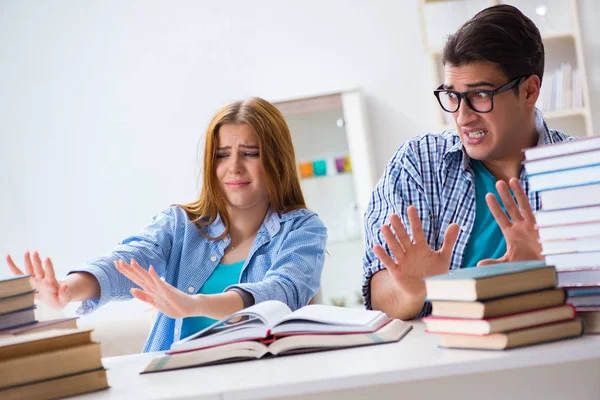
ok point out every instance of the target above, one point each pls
(151, 247)
(295, 272)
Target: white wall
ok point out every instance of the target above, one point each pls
(102, 103)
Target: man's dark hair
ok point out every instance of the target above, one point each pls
(501, 34)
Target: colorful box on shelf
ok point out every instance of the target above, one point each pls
(343, 164)
(320, 167)
(306, 169)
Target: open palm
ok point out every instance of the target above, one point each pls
(520, 233)
(415, 259)
(43, 280)
(167, 299)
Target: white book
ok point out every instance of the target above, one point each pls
(565, 178)
(567, 70)
(576, 196)
(567, 216)
(562, 148)
(577, 89)
(574, 260)
(571, 245)
(569, 231)
(562, 162)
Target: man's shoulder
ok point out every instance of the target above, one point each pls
(558, 136)
(428, 146)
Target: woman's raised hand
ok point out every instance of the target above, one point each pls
(166, 298)
(48, 289)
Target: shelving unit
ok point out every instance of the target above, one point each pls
(325, 127)
(558, 22)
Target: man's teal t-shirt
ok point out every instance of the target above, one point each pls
(486, 240)
(223, 276)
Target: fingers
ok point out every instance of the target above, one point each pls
(143, 275)
(450, 238)
(28, 265)
(498, 213)
(12, 266)
(522, 200)
(400, 231)
(395, 247)
(488, 261)
(129, 272)
(384, 257)
(143, 296)
(159, 284)
(415, 225)
(49, 269)
(37, 266)
(508, 201)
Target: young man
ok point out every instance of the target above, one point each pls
(441, 193)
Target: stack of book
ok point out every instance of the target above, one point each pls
(567, 176)
(17, 306)
(499, 307)
(50, 364)
(17, 309)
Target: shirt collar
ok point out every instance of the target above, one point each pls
(270, 225)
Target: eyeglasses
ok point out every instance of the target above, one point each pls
(479, 100)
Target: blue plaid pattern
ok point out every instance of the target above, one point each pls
(285, 263)
(433, 173)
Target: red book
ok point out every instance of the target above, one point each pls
(499, 324)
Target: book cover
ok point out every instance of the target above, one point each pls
(488, 271)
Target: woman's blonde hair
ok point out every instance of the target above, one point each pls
(276, 155)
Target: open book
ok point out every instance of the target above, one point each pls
(272, 328)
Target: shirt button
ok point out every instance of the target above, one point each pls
(191, 289)
(213, 258)
(176, 331)
(463, 228)
(225, 240)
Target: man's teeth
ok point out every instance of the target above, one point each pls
(477, 134)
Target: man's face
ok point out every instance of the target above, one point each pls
(501, 133)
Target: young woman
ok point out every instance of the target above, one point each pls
(248, 238)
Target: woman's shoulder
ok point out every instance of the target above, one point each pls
(299, 216)
(173, 216)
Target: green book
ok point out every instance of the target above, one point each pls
(491, 281)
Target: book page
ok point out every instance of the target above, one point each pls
(393, 331)
(261, 317)
(323, 318)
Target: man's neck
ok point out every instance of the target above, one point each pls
(505, 169)
(510, 166)
(246, 223)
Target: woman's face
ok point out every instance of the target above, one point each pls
(239, 169)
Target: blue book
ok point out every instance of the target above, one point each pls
(491, 281)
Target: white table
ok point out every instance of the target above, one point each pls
(415, 367)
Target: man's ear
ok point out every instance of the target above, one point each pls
(531, 88)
